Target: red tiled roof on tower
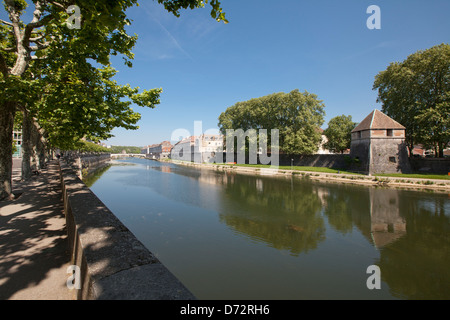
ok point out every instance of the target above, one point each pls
(378, 120)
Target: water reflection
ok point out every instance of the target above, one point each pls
(387, 225)
(318, 225)
(266, 209)
(416, 266)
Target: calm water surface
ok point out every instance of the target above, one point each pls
(231, 236)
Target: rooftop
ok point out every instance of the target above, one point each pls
(378, 120)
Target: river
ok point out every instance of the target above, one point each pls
(230, 236)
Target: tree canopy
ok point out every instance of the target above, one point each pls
(416, 93)
(61, 76)
(127, 149)
(339, 133)
(296, 115)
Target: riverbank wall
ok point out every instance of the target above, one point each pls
(388, 182)
(112, 264)
(335, 161)
(431, 165)
(84, 164)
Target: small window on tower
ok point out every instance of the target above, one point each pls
(392, 159)
(390, 133)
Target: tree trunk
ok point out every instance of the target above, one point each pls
(27, 146)
(7, 110)
(410, 149)
(42, 155)
(41, 145)
(441, 150)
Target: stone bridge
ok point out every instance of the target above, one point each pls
(124, 155)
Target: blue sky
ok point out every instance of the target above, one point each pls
(321, 46)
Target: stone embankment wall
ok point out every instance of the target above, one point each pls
(84, 164)
(93, 162)
(395, 182)
(114, 264)
(334, 161)
(347, 163)
(430, 165)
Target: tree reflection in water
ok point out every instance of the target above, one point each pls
(405, 233)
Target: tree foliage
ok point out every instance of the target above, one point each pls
(127, 149)
(416, 93)
(296, 115)
(62, 76)
(174, 7)
(87, 146)
(339, 133)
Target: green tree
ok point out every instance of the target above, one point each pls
(296, 115)
(14, 148)
(86, 146)
(416, 93)
(24, 46)
(127, 149)
(339, 133)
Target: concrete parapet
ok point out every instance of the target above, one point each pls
(114, 264)
(84, 164)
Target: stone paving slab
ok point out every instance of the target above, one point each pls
(34, 252)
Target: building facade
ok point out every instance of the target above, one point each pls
(208, 145)
(184, 149)
(158, 151)
(17, 137)
(323, 141)
(378, 145)
(203, 148)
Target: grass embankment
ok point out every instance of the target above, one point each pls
(328, 170)
(416, 176)
(296, 168)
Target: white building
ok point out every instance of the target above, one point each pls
(323, 141)
(198, 148)
(17, 137)
(184, 150)
(208, 145)
(322, 149)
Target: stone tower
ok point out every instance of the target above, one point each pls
(378, 145)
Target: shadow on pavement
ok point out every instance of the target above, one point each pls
(34, 253)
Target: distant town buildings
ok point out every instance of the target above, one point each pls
(158, 151)
(184, 149)
(378, 145)
(203, 148)
(208, 145)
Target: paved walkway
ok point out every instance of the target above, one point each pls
(34, 254)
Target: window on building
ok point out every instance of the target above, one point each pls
(392, 159)
(390, 133)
